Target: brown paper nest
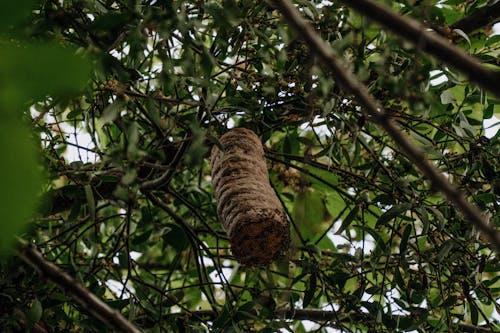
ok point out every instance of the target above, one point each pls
(247, 205)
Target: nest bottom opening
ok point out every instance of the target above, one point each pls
(260, 238)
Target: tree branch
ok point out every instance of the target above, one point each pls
(478, 19)
(313, 315)
(112, 318)
(376, 114)
(430, 42)
(165, 178)
(157, 97)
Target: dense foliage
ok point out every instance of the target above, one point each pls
(375, 248)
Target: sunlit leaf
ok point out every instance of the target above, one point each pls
(463, 35)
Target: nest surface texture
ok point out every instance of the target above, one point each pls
(247, 205)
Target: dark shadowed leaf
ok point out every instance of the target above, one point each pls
(311, 289)
(13, 12)
(348, 220)
(392, 213)
(176, 237)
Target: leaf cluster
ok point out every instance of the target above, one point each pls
(132, 215)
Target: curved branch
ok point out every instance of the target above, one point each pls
(478, 19)
(165, 178)
(112, 318)
(430, 42)
(377, 115)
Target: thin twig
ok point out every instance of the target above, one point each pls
(112, 318)
(430, 42)
(157, 96)
(376, 114)
(165, 178)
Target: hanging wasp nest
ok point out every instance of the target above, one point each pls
(247, 205)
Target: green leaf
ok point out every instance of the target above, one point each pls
(308, 213)
(339, 279)
(291, 143)
(424, 218)
(379, 241)
(453, 95)
(404, 239)
(348, 220)
(141, 238)
(488, 111)
(399, 279)
(463, 35)
(34, 314)
(437, 214)
(197, 149)
(326, 175)
(13, 12)
(176, 237)
(311, 289)
(372, 307)
(447, 246)
(207, 62)
(392, 213)
(112, 111)
(89, 195)
(20, 179)
(35, 71)
(450, 301)
(334, 203)
(447, 97)
(118, 304)
(474, 315)
(224, 319)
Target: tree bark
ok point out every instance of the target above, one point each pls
(478, 19)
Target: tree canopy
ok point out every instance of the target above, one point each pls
(378, 126)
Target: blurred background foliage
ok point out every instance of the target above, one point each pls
(127, 206)
(31, 70)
